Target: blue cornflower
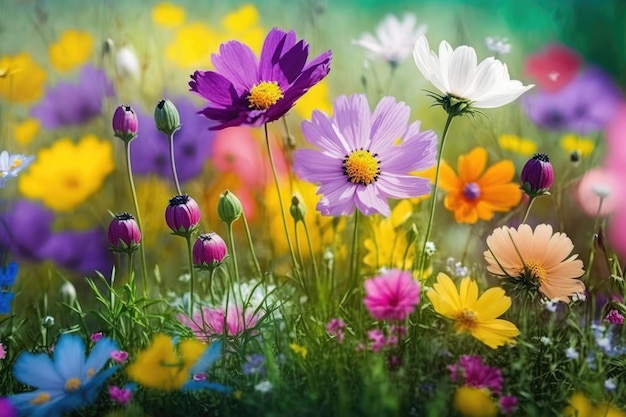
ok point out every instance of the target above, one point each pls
(254, 365)
(5, 301)
(198, 380)
(64, 383)
(8, 274)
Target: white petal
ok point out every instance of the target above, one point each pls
(461, 71)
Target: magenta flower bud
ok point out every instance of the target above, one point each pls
(537, 175)
(125, 125)
(209, 251)
(182, 215)
(124, 234)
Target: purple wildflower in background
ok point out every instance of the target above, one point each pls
(192, 144)
(73, 104)
(255, 364)
(584, 105)
(474, 373)
(244, 90)
(359, 163)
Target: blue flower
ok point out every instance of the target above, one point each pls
(8, 274)
(5, 301)
(64, 383)
(207, 359)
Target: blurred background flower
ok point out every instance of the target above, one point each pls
(71, 50)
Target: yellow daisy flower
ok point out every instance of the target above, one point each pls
(72, 50)
(21, 79)
(26, 131)
(161, 366)
(475, 402)
(66, 174)
(471, 313)
(515, 144)
(168, 15)
(299, 350)
(572, 143)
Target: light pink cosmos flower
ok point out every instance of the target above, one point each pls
(215, 321)
(392, 295)
(614, 163)
(597, 185)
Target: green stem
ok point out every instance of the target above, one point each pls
(530, 204)
(249, 237)
(173, 164)
(354, 256)
(280, 198)
(233, 250)
(144, 268)
(433, 199)
(192, 276)
(311, 252)
(211, 292)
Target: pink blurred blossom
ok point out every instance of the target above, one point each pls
(553, 67)
(95, 337)
(614, 317)
(119, 356)
(120, 395)
(595, 186)
(3, 352)
(475, 374)
(392, 295)
(614, 163)
(210, 321)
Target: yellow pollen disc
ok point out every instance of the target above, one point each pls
(537, 270)
(16, 163)
(264, 95)
(361, 167)
(466, 319)
(42, 398)
(72, 384)
(90, 372)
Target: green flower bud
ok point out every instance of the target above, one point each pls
(411, 234)
(297, 209)
(166, 117)
(229, 207)
(68, 293)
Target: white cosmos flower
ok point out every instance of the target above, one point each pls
(12, 164)
(127, 64)
(393, 39)
(457, 73)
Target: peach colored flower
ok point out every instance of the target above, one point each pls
(535, 259)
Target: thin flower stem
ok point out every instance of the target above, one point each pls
(144, 268)
(311, 252)
(173, 164)
(530, 204)
(297, 238)
(354, 256)
(249, 237)
(280, 198)
(192, 274)
(233, 250)
(592, 249)
(433, 199)
(211, 292)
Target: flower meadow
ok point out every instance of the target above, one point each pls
(312, 208)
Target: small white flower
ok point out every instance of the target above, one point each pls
(12, 164)
(263, 386)
(545, 340)
(456, 73)
(571, 353)
(604, 343)
(127, 64)
(579, 296)
(393, 40)
(430, 248)
(551, 305)
(601, 190)
(498, 45)
(610, 384)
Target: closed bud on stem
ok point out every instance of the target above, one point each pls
(124, 234)
(537, 175)
(297, 208)
(125, 124)
(411, 235)
(68, 293)
(166, 117)
(209, 251)
(229, 207)
(47, 322)
(182, 215)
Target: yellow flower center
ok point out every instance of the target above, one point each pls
(264, 95)
(361, 167)
(537, 270)
(72, 384)
(466, 319)
(42, 398)
(90, 372)
(16, 163)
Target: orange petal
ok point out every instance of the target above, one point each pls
(499, 173)
(447, 177)
(471, 165)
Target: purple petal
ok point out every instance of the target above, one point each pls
(237, 63)
(214, 87)
(294, 60)
(314, 166)
(370, 201)
(352, 117)
(389, 122)
(321, 133)
(403, 186)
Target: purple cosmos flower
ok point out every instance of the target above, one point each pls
(476, 374)
(71, 104)
(245, 91)
(360, 163)
(150, 152)
(584, 105)
(79, 251)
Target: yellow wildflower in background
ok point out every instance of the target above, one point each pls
(580, 406)
(315, 99)
(475, 402)
(572, 143)
(471, 313)
(160, 366)
(194, 43)
(388, 244)
(66, 174)
(168, 15)
(72, 50)
(300, 350)
(515, 144)
(22, 80)
(26, 131)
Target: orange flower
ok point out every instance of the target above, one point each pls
(532, 260)
(474, 195)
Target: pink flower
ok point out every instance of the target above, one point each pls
(553, 68)
(335, 328)
(614, 163)
(598, 185)
(392, 295)
(120, 395)
(96, 337)
(119, 356)
(476, 374)
(3, 352)
(614, 317)
(377, 337)
(508, 404)
(210, 321)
